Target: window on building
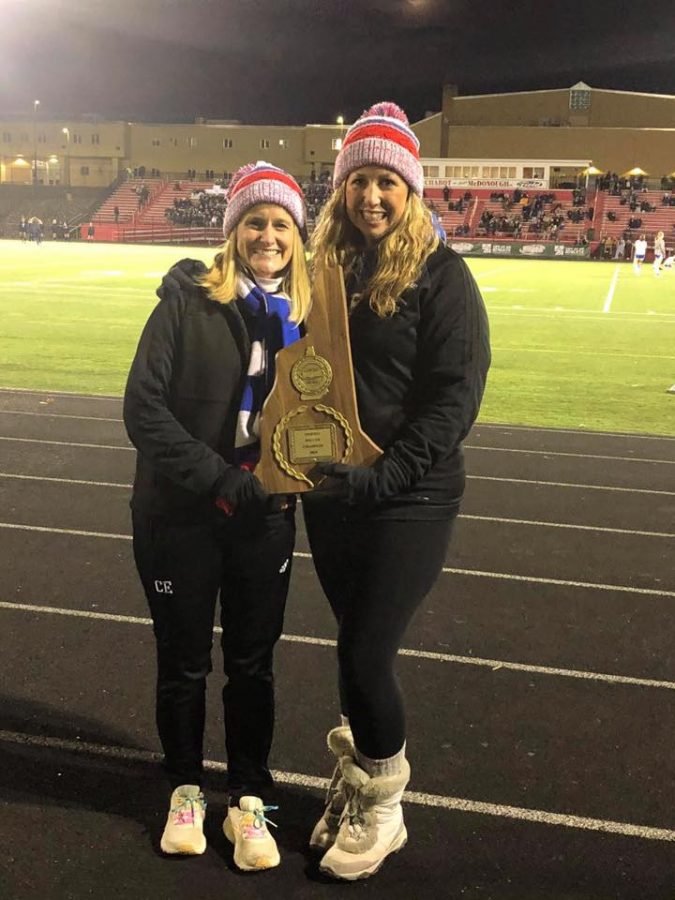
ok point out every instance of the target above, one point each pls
(95, 139)
(77, 138)
(25, 137)
(283, 143)
(533, 171)
(580, 99)
(228, 143)
(42, 137)
(192, 142)
(336, 144)
(6, 137)
(173, 142)
(430, 171)
(155, 142)
(264, 144)
(84, 170)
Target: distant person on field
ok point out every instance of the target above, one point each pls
(659, 251)
(35, 229)
(91, 231)
(639, 253)
(23, 229)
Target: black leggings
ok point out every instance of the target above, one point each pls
(184, 568)
(375, 573)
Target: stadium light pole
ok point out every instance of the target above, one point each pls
(66, 159)
(341, 122)
(36, 103)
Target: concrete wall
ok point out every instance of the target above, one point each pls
(616, 149)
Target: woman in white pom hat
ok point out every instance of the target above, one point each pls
(203, 525)
(420, 350)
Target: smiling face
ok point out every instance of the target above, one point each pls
(375, 201)
(264, 238)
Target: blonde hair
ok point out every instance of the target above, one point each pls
(400, 254)
(221, 279)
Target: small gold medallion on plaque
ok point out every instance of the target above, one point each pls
(312, 443)
(312, 375)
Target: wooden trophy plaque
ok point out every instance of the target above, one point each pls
(310, 415)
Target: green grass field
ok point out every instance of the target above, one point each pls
(575, 344)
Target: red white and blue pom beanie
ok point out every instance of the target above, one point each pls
(261, 182)
(381, 137)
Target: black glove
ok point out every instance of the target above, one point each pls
(238, 488)
(361, 483)
(183, 275)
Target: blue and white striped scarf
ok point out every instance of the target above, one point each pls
(272, 331)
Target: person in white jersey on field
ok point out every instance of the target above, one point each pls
(639, 253)
(659, 251)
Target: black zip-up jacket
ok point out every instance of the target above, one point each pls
(420, 377)
(182, 399)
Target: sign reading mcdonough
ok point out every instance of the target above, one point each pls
(488, 183)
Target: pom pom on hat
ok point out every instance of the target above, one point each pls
(381, 137)
(261, 182)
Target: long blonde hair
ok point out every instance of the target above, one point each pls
(400, 254)
(221, 279)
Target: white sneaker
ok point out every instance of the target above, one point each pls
(246, 827)
(184, 829)
(372, 824)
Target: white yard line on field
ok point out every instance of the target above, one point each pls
(610, 293)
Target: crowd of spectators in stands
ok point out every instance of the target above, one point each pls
(317, 190)
(200, 210)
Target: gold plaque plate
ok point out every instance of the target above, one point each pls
(312, 443)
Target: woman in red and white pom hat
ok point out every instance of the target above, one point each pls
(420, 349)
(203, 525)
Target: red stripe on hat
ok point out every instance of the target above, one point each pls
(267, 175)
(384, 132)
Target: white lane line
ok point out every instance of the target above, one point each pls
(580, 432)
(73, 531)
(476, 518)
(439, 801)
(610, 293)
(113, 484)
(541, 524)
(67, 444)
(571, 484)
(72, 395)
(667, 462)
(46, 415)
(533, 579)
(594, 487)
(480, 662)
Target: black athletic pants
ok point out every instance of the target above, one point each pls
(183, 567)
(375, 572)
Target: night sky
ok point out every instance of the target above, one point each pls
(299, 61)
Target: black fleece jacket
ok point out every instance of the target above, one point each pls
(420, 377)
(182, 399)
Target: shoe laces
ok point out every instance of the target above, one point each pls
(260, 819)
(353, 811)
(186, 807)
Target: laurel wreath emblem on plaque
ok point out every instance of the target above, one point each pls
(281, 426)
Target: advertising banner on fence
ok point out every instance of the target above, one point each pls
(532, 249)
(488, 183)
